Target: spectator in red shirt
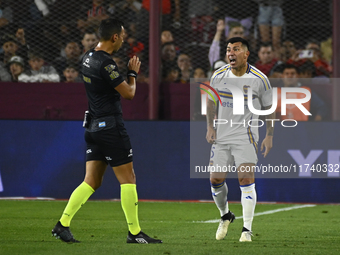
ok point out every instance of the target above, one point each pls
(321, 65)
(266, 61)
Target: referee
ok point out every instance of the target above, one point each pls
(106, 137)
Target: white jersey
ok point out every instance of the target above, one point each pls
(237, 129)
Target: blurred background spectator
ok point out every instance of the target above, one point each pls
(316, 106)
(38, 71)
(128, 10)
(218, 48)
(4, 74)
(287, 50)
(267, 61)
(90, 39)
(322, 68)
(97, 12)
(71, 74)
(16, 66)
(270, 21)
(185, 67)
(171, 73)
(202, 24)
(232, 12)
(192, 35)
(72, 55)
(166, 36)
(6, 18)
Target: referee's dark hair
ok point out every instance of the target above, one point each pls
(238, 39)
(109, 27)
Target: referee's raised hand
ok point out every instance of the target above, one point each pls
(134, 64)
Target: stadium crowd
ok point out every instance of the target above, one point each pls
(44, 40)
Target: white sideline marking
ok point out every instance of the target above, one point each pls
(264, 213)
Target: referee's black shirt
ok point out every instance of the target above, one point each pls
(101, 76)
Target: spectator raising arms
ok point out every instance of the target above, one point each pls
(217, 49)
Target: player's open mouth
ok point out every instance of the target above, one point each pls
(232, 60)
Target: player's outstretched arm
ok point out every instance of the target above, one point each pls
(128, 89)
(267, 142)
(211, 112)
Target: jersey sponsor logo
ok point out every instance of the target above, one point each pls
(86, 62)
(88, 151)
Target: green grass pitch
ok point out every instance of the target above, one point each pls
(25, 228)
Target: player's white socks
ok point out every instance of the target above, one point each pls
(219, 193)
(248, 201)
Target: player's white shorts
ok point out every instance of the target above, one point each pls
(223, 155)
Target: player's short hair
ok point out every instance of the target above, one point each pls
(290, 66)
(238, 39)
(109, 27)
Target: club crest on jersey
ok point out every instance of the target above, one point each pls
(245, 89)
